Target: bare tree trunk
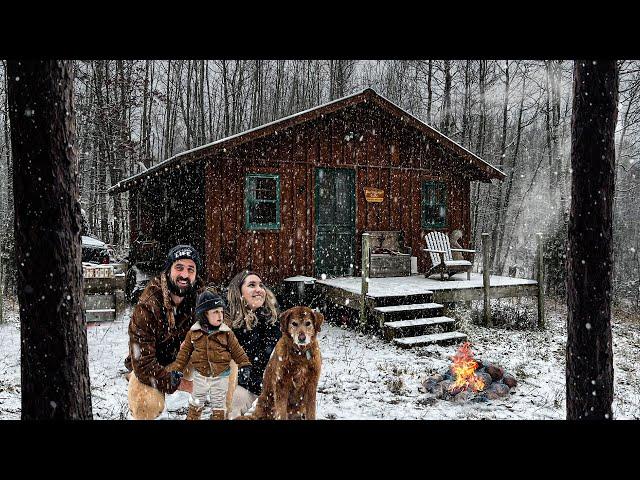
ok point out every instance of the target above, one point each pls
(257, 93)
(466, 123)
(446, 124)
(148, 161)
(186, 108)
(144, 132)
(429, 91)
(498, 211)
(107, 158)
(168, 147)
(503, 254)
(482, 78)
(202, 135)
(279, 81)
(210, 103)
(225, 87)
(54, 355)
(590, 253)
(553, 125)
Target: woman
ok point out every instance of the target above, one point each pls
(252, 313)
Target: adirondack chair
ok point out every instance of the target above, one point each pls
(439, 250)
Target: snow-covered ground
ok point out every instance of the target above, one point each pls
(367, 378)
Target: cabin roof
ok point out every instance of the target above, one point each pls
(487, 171)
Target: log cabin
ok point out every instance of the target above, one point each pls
(293, 197)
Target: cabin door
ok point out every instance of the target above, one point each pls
(335, 206)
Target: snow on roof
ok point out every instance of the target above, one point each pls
(169, 161)
(442, 134)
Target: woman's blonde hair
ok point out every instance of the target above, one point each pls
(241, 315)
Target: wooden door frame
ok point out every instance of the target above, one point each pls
(316, 213)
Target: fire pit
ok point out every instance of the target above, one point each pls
(469, 379)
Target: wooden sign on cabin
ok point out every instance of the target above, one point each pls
(373, 195)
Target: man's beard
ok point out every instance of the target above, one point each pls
(176, 290)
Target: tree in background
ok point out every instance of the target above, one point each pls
(54, 360)
(590, 253)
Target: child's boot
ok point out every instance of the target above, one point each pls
(194, 413)
(218, 414)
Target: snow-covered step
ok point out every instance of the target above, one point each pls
(406, 312)
(98, 302)
(445, 338)
(100, 314)
(389, 300)
(416, 326)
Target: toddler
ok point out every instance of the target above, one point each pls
(210, 344)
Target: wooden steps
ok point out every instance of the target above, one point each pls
(100, 308)
(389, 300)
(416, 326)
(445, 338)
(408, 324)
(405, 312)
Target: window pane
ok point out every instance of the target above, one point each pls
(434, 204)
(432, 213)
(343, 215)
(263, 212)
(251, 188)
(265, 189)
(262, 202)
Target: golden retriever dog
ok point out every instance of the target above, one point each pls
(291, 378)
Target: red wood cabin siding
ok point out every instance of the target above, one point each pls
(384, 153)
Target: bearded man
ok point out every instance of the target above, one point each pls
(159, 324)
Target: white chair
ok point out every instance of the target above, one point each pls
(439, 250)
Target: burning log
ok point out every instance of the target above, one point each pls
(485, 377)
(464, 367)
(456, 389)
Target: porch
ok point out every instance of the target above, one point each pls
(410, 310)
(382, 291)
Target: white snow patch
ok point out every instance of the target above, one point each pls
(368, 378)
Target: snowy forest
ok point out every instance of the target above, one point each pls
(515, 114)
(519, 116)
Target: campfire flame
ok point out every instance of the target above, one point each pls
(464, 367)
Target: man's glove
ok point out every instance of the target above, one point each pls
(244, 376)
(176, 377)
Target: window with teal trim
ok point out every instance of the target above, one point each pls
(434, 204)
(262, 202)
